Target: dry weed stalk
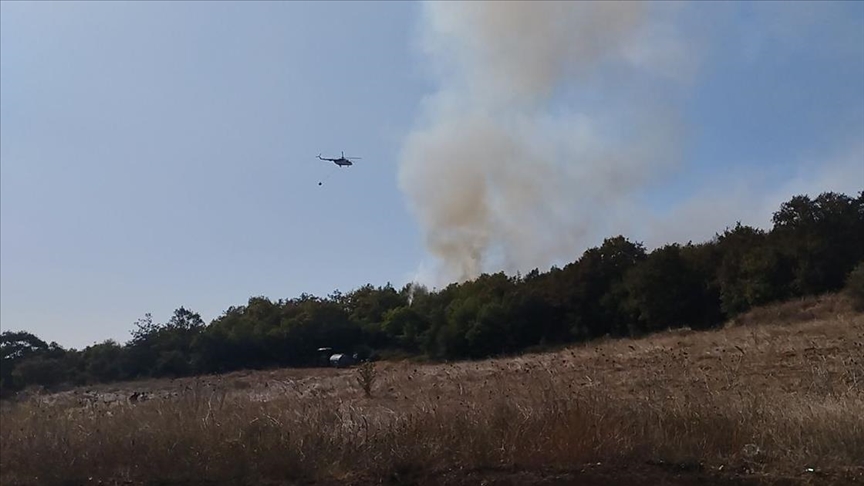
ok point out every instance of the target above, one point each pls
(366, 374)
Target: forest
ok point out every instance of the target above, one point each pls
(814, 246)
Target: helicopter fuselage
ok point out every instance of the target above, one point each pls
(341, 161)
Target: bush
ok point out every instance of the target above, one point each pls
(855, 286)
(366, 375)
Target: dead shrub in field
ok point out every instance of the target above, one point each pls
(366, 374)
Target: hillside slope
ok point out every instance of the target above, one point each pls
(775, 397)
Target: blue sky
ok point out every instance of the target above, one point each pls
(159, 154)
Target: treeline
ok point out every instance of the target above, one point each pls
(616, 289)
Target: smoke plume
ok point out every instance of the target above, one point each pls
(547, 115)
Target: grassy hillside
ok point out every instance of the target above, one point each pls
(773, 398)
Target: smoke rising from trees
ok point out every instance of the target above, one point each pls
(536, 126)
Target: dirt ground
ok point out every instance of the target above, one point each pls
(589, 475)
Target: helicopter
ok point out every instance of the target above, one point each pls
(341, 161)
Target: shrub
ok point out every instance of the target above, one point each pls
(366, 374)
(855, 286)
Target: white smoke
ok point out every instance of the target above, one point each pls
(536, 129)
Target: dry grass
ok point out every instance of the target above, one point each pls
(798, 310)
(767, 400)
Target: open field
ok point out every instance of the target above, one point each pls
(776, 398)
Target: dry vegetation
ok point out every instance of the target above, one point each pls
(775, 397)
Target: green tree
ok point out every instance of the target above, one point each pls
(41, 370)
(164, 349)
(855, 286)
(703, 260)
(16, 347)
(404, 326)
(823, 238)
(664, 291)
(104, 362)
(752, 271)
(593, 309)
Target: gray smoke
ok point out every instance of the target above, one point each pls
(537, 131)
